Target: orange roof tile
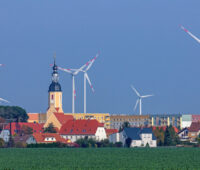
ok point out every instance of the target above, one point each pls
(111, 131)
(63, 118)
(40, 137)
(194, 127)
(17, 126)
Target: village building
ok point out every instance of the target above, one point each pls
(139, 137)
(183, 134)
(194, 131)
(165, 120)
(47, 138)
(79, 129)
(55, 114)
(19, 127)
(117, 120)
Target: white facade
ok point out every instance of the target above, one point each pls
(115, 137)
(5, 135)
(99, 135)
(186, 124)
(31, 140)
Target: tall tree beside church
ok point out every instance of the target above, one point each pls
(13, 112)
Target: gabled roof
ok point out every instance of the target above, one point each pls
(20, 138)
(195, 127)
(62, 118)
(111, 131)
(40, 137)
(17, 126)
(135, 132)
(184, 129)
(80, 127)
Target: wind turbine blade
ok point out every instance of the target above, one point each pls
(64, 69)
(3, 100)
(145, 96)
(136, 104)
(88, 79)
(91, 62)
(138, 94)
(193, 36)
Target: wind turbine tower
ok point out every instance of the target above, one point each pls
(86, 78)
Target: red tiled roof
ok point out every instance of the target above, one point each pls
(164, 128)
(195, 127)
(16, 127)
(111, 131)
(40, 137)
(195, 118)
(63, 118)
(80, 127)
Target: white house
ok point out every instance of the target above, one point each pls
(77, 129)
(140, 137)
(5, 135)
(115, 137)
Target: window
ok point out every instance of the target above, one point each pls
(52, 97)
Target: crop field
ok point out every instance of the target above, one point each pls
(100, 158)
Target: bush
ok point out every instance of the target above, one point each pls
(20, 145)
(2, 143)
(118, 144)
(48, 145)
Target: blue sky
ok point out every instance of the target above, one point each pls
(140, 44)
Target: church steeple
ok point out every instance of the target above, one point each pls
(55, 86)
(55, 92)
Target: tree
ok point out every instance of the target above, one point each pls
(167, 138)
(2, 121)
(124, 125)
(174, 137)
(26, 130)
(128, 142)
(159, 134)
(13, 112)
(50, 129)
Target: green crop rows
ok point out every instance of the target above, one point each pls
(102, 158)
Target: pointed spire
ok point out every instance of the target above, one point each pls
(54, 58)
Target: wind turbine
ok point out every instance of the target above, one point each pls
(73, 73)
(193, 36)
(86, 78)
(139, 100)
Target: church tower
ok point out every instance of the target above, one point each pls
(55, 93)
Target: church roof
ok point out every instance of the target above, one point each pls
(55, 86)
(63, 118)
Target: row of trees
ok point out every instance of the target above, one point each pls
(167, 137)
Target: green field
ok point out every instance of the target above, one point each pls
(102, 158)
